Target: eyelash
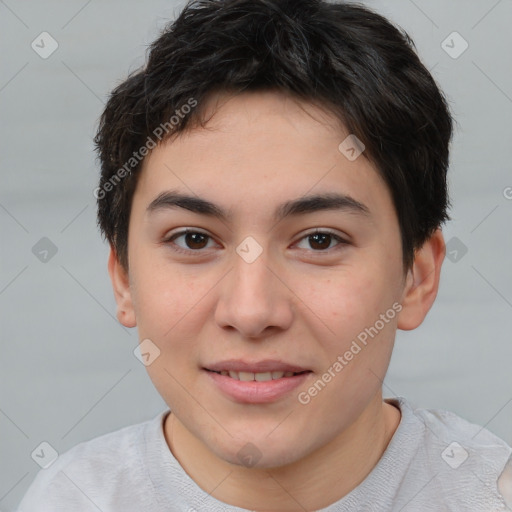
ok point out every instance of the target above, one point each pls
(170, 240)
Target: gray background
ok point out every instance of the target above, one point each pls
(67, 367)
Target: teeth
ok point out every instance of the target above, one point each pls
(262, 377)
(259, 377)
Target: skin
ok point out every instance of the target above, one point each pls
(296, 302)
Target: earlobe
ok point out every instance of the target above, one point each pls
(122, 292)
(422, 282)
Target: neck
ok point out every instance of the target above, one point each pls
(313, 482)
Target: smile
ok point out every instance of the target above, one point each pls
(255, 383)
(259, 377)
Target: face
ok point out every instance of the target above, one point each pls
(283, 259)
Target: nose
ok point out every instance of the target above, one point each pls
(254, 299)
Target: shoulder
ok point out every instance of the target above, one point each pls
(445, 428)
(470, 463)
(82, 477)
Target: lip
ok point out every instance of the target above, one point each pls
(256, 392)
(266, 365)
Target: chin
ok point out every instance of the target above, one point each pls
(259, 452)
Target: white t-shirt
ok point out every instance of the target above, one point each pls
(435, 461)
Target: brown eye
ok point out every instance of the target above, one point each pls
(321, 241)
(190, 241)
(196, 240)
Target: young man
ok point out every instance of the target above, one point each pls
(273, 185)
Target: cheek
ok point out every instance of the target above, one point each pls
(171, 313)
(163, 294)
(358, 345)
(347, 301)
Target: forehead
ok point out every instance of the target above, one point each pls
(229, 107)
(260, 147)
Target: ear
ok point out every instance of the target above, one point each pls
(122, 292)
(422, 282)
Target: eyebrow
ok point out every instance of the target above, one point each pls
(301, 206)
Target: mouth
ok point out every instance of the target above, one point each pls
(252, 383)
(256, 376)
